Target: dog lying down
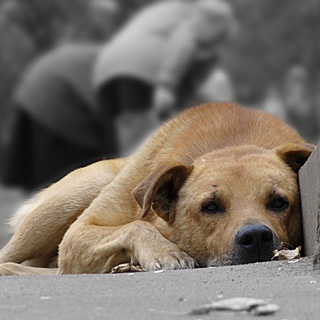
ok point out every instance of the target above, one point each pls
(215, 186)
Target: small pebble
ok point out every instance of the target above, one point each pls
(182, 299)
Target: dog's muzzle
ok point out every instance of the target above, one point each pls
(254, 243)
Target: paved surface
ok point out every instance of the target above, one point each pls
(295, 287)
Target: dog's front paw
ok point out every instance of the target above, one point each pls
(171, 258)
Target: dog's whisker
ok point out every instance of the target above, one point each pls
(284, 244)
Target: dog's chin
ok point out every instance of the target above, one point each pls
(236, 257)
(240, 258)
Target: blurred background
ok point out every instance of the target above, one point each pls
(84, 80)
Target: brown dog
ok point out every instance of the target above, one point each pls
(215, 186)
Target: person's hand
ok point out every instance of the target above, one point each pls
(164, 102)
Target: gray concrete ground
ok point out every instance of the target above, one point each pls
(295, 287)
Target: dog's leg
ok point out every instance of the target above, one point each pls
(14, 269)
(56, 208)
(95, 249)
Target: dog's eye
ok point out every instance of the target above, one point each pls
(278, 204)
(211, 208)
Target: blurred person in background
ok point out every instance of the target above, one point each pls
(55, 122)
(158, 61)
(298, 106)
(293, 103)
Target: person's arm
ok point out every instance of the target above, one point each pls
(178, 58)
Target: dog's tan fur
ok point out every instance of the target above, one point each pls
(147, 209)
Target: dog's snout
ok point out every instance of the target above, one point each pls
(254, 238)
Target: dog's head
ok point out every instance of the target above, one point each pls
(231, 206)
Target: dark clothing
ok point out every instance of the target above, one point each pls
(57, 126)
(56, 91)
(36, 157)
(123, 94)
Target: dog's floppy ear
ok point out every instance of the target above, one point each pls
(160, 189)
(295, 155)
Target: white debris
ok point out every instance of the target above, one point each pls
(251, 305)
(158, 271)
(233, 304)
(286, 254)
(127, 267)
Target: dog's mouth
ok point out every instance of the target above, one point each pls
(253, 243)
(240, 257)
(236, 258)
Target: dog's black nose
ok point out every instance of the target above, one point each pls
(255, 238)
